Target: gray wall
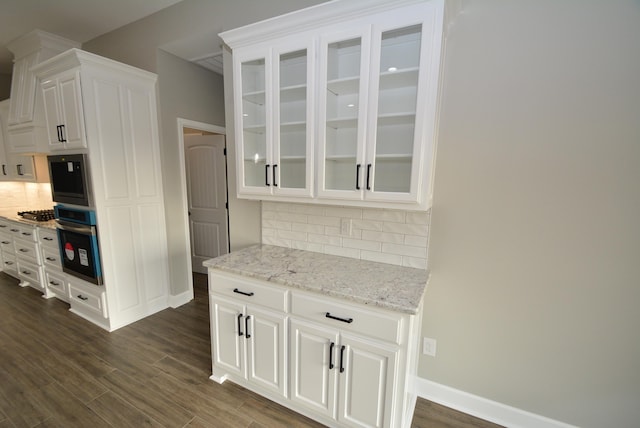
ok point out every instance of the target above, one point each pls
(535, 240)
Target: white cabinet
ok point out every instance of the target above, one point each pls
(54, 281)
(117, 106)
(274, 102)
(248, 334)
(249, 342)
(375, 83)
(26, 117)
(341, 363)
(63, 111)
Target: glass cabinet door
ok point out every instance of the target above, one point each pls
(292, 148)
(342, 116)
(253, 119)
(395, 116)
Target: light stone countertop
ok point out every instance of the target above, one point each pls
(387, 286)
(13, 215)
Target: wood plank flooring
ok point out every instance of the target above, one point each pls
(58, 370)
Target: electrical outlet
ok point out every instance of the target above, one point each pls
(346, 225)
(429, 346)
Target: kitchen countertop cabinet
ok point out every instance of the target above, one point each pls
(337, 338)
(372, 71)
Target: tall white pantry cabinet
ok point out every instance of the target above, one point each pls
(107, 110)
(338, 103)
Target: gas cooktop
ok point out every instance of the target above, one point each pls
(37, 215)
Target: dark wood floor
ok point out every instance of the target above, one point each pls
(58, 370)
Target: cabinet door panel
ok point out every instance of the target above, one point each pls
(227, 335)
(266, 349)
(366, 385)
(52, 113)
(70, 104)
(313, 379)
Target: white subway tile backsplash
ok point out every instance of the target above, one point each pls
(387, 236)
(361, 244)
(372, 256)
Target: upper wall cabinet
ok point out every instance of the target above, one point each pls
(26, 130)
(63, 111)
(341, 108)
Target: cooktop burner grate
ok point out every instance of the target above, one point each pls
(37, 215)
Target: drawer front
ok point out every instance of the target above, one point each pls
(56, 284)
(51, 257)
(28, 233)
(6, 243)
(248, 291)
(30, 272)
(9, 264)
(95, 302)
(376, 324)
(48, 237)
(27, 250)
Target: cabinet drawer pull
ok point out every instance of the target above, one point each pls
(240, 333)
(54, 283)
(81, 297)
(4, 172)
(46, 238)
(358, 176)
(26, 233)
(51, 259)
(275, 184)
(14, 230)
(331, 366)
(342, 358)
(19, 169)
(244, 293)
(3, 225)
(368, 177)
(266, 175)
(347, 320)
(23, 250)
(246, 326)
(26, 272)
(6, 242)
(63, 138)
(8, 263)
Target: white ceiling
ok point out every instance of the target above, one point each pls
(79, 20)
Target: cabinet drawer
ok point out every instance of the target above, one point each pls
(27, 250)
(93, 301)
(56, 284)
(48, 237)
(30, 272)
(51, 257)
(248, 291)
(6, 243)
(9, 264)
(27, 233)
(353, 318)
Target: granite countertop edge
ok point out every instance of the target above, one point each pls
(319, 275)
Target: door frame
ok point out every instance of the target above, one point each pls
(201, 126)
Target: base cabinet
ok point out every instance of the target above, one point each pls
(340, 363)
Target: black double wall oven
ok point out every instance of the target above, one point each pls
(76, 221)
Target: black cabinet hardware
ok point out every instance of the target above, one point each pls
(246, 326)
(342, 358)
(23, 250)
(4, 169)
(240, 333)
(266, 175)
(358, 166)
(81, 297)
(347, 320)
(61, 138)
(54, 283)
(51, 259)
(26, 272)
(275, 184)
(19, 169)
(368, 177)
(331, 355)
(244, 293)
(46, 238)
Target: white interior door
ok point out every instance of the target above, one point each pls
(207, 197)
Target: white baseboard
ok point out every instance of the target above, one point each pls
(483, 408)
(180, 299)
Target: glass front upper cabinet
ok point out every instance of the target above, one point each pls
(275, 111)
(370, 148)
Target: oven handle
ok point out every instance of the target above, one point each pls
(84, 229)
